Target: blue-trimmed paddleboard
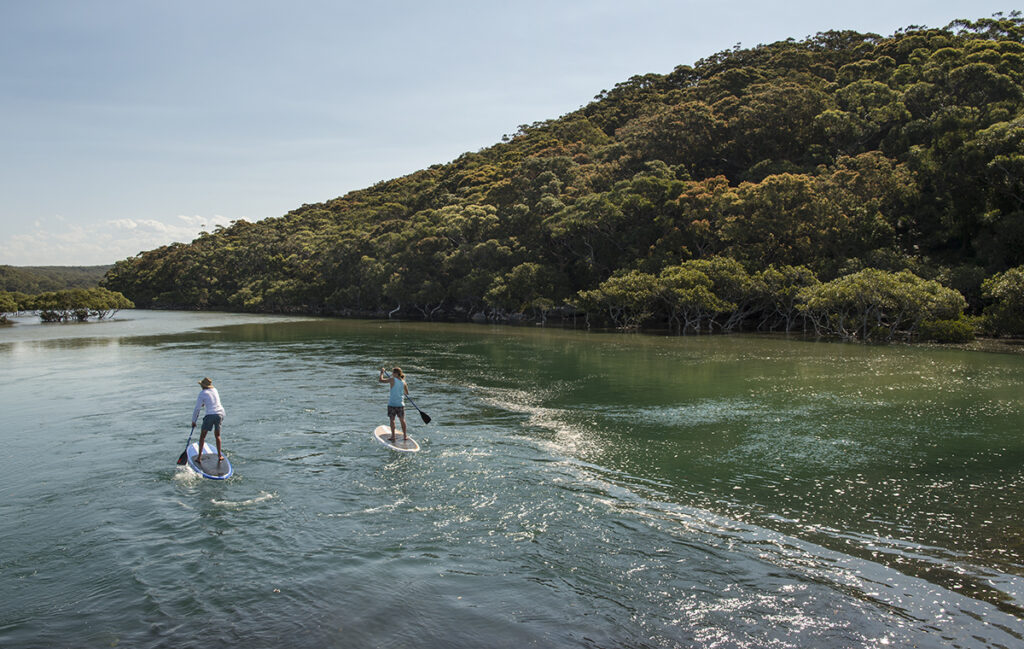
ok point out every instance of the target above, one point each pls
(383, 432)
(206, 464)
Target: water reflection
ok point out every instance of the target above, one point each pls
(575, 489)
(867, 451)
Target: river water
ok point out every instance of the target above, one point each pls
(574, 489)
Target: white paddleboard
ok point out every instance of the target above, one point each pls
(206, 464)
(382, 433)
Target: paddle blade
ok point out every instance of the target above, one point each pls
(425, 416)
(182, 459)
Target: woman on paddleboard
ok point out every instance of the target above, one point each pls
(396, 398)
(208, 398)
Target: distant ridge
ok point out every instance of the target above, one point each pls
(41, 279)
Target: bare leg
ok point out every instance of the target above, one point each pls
(404, 435)
(216, 435)
(202, 440)
(392, 429)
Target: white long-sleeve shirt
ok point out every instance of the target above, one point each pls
(210, 399)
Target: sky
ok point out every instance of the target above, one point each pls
(130, 124)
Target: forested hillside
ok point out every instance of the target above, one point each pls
(38, 279)
(770, 187)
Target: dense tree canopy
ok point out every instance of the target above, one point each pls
(734, 192)
(37, 279)
(77, 304)
(1005, 291)
(8, 304)
(878, 305)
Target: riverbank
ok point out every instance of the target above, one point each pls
(1003, 345)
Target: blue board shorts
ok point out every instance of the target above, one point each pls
(396, 411)
(212, 421)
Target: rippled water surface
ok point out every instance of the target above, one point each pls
(574, 489)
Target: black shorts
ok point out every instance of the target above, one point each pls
(396, 411)
(212, 421)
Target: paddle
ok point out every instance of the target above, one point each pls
(425, 416)
(184, 454)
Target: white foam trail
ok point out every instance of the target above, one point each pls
(185, 474)
(263, 497)
(392, 506)
(571, 438)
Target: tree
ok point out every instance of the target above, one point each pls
(689, 297)
(8, 304)
(873, 109)
(998, 155)
(78, 304)
(873, 195)
(1005, 292)
(685, 133)
(527, 286)
(733, 286)
(784, 219)
(627, 297)
(875, 305)
(781, 288)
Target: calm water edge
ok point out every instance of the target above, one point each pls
(574, 489)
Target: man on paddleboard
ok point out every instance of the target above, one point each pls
(209, 398)
(396, 399)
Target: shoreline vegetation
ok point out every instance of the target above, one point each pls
(70, 305)
(979, 343)
(870, 188)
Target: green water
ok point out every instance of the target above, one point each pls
(574, 489)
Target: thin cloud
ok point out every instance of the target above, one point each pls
(58, 243)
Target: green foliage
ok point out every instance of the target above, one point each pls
(689, 298)
(1005, 292)
(960, 330)
(709, 198)
(14, 301)
(627, 298)
(8, 304)
(733, 286)
(37, 279)
(75, 304)
(525, 287)
(879, 306)
(702, 295)
(780, 293)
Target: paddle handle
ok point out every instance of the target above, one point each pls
(184, 454)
